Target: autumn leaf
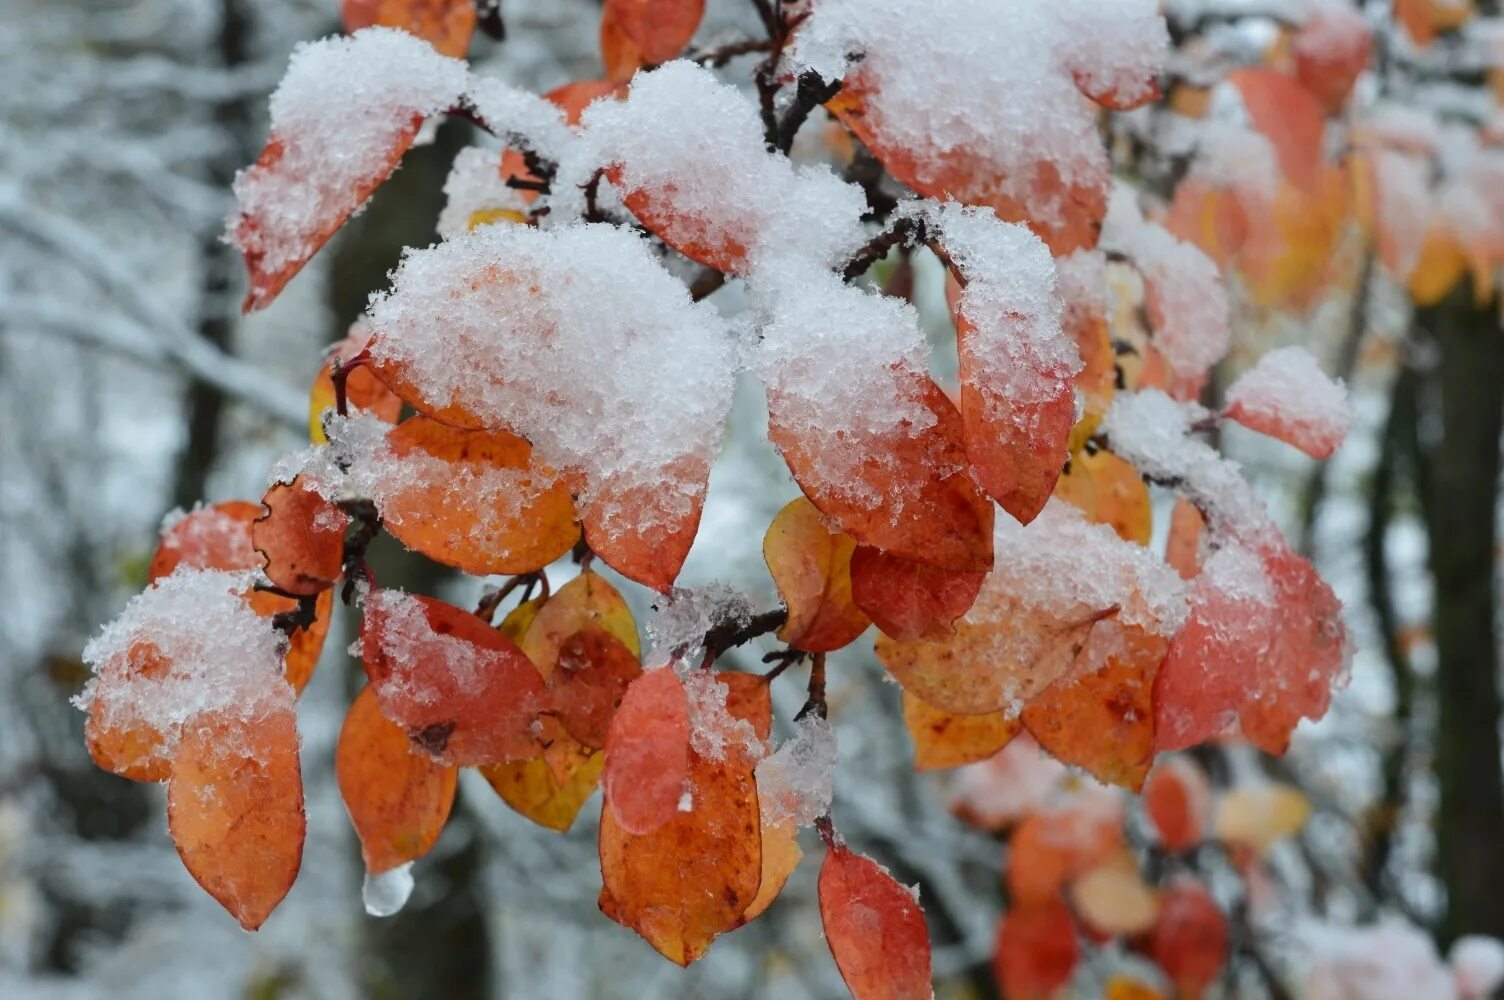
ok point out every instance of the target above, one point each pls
(874, 927)
(398, 798)
(645, 533)
(364, 392)
(1190, 939)
(1052, 847)
(1103, 720)
(943, 739)
(445, 24)
(589, 680)
(1261, 814)
(659, 29)
(1183, 543)
(132, 748)
(1108, 491)
(647, 753)
(811, 567)
(463, 692)
(1037, 950)
(927, 507)
(587, 601)
(908, 599)
(1112, 898)
(693, 876)
(479, 501)
(1177, 800)
(235, 809)
(301, 537)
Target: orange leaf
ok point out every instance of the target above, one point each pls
(620, 55)
(1332, 49)
(461, 690)
(811, 566)
(1036, 950)
(908, 599)
(476, 500)
(874, 927)
(587, 601)
(647, 754)
(301, 538)
(1103, 721)
(1190, 939)
(660, 29)
(136, 750)
(531, 788)
(305, 643)
(1289, 117)
(398, 798)
(1183, 544)
(927, 509)
(1113, 899)
(696, 875)
(235, 810)
(364, 392)
(1000, 657)
(645, 533)
(780, 856)
(445, 24)
(1108, 491)
(943, 739)
(593, 672)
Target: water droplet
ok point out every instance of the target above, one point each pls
(384, 893)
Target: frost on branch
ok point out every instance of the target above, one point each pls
(687, 154)
(1287, 396)
(579, 341)
(796, 781)
(343, 116)
(870, 438)
(1018, 399)
(188, 645)
(982, 101)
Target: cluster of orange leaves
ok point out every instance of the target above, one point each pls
(565, 705)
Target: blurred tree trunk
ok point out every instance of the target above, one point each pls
(438, 945)
(204, 405)
(1467, 388)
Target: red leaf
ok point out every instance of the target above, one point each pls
(1289, 117)
(1190, 940)
(875, 929)
(1177, 799)
(927, 507)
(593, 672)
(445, 24)
(1037, 950)
(462, 691)
(909, 599)
(658, 28)
(812, 568)
(647, 752)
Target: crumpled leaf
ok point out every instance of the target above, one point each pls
(908, 599)
(496, 509)
(464, 693)
(694, 876)
(648, 754)
(301, 537)
(943, 739)
(811, 567)
(447, 25)
(235, 810)
(398, 798)
(875, 928)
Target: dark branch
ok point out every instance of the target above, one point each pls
(812, 91)
(905, 232)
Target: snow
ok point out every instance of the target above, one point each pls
(520, 116)
(429, 663)
(345, 104)
(1018, 780)
(1402, 208)
(576, 339)
(796, 782)
(685, 140)
(676, 633)
(1187, 302)
(1390, 960)
(386, 893)
(713, 730)
(1287, 395)
(1477, 965)
(1067, 567)
(187, 645)
(1153, 433)
(1229, 154)
(994, 82)
(475, 186)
